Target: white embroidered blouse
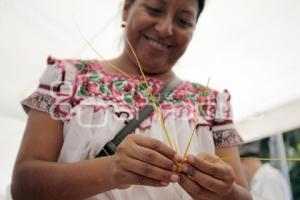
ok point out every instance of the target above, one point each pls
(94, 105)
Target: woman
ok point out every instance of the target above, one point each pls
(80, 105)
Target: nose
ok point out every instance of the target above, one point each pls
(165, 27)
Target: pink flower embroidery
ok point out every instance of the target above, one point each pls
(92, 67)
(92, 88)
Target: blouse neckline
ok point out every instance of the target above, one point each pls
(123, 77)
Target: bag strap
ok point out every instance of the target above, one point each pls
(111, 146)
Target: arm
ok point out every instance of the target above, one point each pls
(240, 187)
(209, 177)
(37, 175)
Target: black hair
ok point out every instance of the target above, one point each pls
(252, 149)
(201, 4)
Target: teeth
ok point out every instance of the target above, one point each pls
(157, 44)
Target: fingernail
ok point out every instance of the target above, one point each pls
(174, 178)
(178, 157)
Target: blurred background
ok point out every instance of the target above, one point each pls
(251, 48)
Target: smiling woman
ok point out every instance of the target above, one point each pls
(85, 103)
(160, 30)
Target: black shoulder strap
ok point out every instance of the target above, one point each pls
(111, 146)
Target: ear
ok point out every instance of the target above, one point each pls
(126, 7)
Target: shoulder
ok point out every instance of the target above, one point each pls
(215, 107)
(70, 71)
(76, 65)
(270, 170)
(195, 87)
(199, 93)
(57, 86)
(195, 92)
(269, 174)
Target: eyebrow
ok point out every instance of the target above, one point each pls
(189, 12)
(163, 1)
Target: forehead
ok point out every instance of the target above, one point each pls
(179, 4)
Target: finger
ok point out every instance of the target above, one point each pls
(218, 169)
(150, 156)
(207, 181)
(142, 180)
(195, 190)
(150, 171)
(157, 146)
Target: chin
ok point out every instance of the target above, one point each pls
(155, 68)
(153, 72)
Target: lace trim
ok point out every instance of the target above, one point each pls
(40, 102)
(227, 138)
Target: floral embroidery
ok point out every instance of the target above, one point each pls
(93, 81)
(127, 96)
(42, 102)
(226, 137)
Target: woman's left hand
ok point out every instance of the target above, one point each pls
(207, 177)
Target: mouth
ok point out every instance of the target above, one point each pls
(157, 43)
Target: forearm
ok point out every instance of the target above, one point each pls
(46, 180)
(238, 192)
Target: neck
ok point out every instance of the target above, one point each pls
(126, 65)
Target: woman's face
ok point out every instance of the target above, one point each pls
(159, 31)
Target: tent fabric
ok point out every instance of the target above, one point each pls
(250, 48)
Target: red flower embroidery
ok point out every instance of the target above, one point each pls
(50, 61)
(128, 87)
(139, 99)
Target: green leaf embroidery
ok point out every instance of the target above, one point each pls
(129, 99)
(104, 89)
(119, 84)
(142, 87)
(192, 96)
(197, 86)
(80, 66)
(205, 93)
(94, 77)
(83, 91)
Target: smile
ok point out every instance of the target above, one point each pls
(157, 44)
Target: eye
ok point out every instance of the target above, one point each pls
(185, 23)
(154, 11)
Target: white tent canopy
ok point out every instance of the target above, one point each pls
(249, 47)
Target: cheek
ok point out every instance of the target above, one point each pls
(133, 34)
(186, 38)
(183, 41)
(183, 37)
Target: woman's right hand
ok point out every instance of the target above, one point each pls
(141, 160)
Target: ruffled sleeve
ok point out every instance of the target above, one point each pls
(223, 129)
(55, 90)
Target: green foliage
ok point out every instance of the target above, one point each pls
(292, 143)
